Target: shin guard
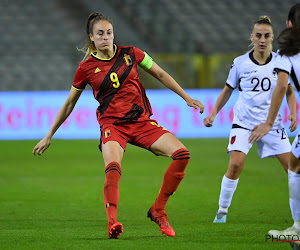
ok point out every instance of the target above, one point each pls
(111, 190)
(172, 178)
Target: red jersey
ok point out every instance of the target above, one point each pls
(116, 86)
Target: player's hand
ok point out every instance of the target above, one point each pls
(41, 146)
(259, 131)
(208, 121)
(294, 123)
(196, 104)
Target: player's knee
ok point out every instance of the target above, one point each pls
(294, 167)
(235, 166)
(234, 170)
(294, 164)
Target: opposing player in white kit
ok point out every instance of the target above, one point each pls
(254, 74)
(288, 67)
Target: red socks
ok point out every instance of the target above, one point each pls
(111, 190)
(172, 178)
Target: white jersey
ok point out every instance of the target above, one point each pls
(291, 65)
(256, 84)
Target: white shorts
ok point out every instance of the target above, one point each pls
(274, 143)
(296, 146)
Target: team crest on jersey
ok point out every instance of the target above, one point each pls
(107, 133)
(232, 140)
(127, 59)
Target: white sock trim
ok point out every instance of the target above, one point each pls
(223, 210)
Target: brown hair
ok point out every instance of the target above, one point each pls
(263, 20)
(289, 39)
(89, 46)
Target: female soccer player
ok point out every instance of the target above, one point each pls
(124, 116)
(254, 74)
(288, 67)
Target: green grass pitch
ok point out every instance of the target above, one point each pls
(55, 201)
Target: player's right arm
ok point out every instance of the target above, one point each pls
(62, 115)
(231, 84)
(222, 100)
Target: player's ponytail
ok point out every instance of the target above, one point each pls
(89, 46)
(289, 39)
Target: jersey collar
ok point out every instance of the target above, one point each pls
(256, 62)
(93, 54)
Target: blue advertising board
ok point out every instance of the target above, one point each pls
(29, 115)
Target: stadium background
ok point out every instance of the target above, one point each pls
(55, 201)
(195, 42)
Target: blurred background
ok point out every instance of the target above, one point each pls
(194, 40)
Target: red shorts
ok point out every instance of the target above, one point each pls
(140, 133)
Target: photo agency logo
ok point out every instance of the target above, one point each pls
(294, 240)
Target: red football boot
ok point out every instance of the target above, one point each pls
(114, 230)
(162, 220)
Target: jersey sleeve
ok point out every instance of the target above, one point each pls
(233, 78)
(143, 59)
(283, 63)
(80, 81)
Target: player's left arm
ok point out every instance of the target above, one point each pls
(291, 100)
(170, 83)
(281, 88)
